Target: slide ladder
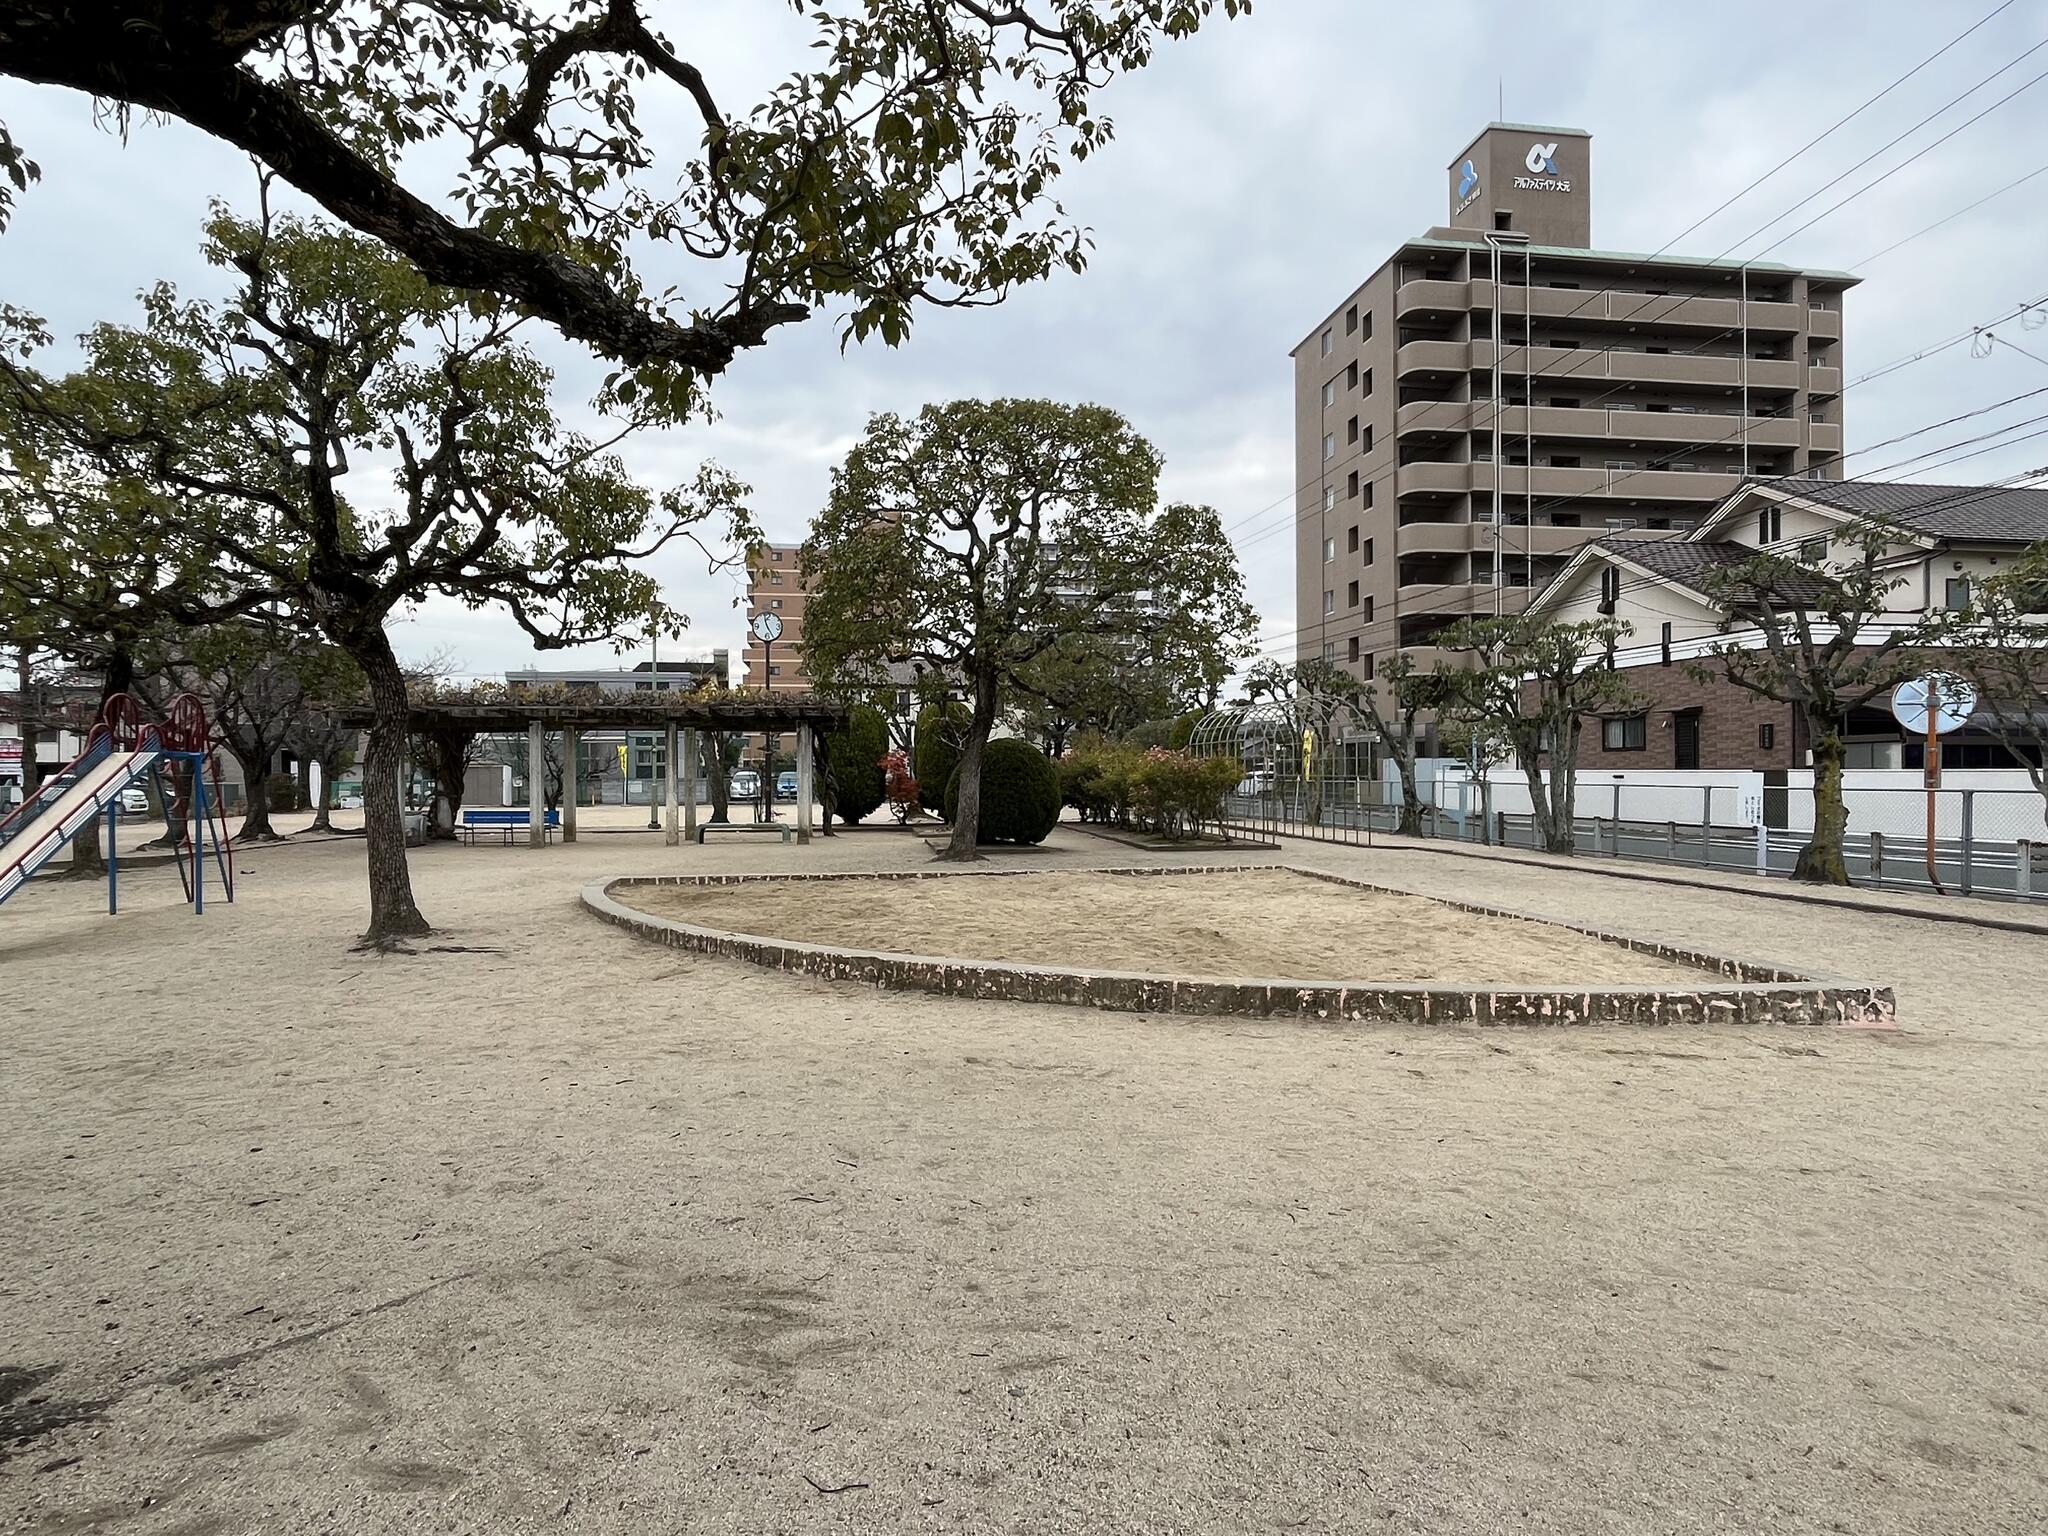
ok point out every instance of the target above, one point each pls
(121, 750)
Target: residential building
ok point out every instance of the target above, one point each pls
(775, 585)
(1500, 391)
(1951, 537)
(643, 749)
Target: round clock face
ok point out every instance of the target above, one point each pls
(767, 626)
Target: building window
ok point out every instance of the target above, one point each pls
(1351, 376)
(1351, 541)
(1354, 649)
(1500, 219)
(1351, 485)
(1329, 393)
(776, 556)
(1365, 319)
(1368, 551)
(1329, 599)
(1329, 498)
(1817, 416)
(1767, 735)
(1624, 733)
(1369, 668)
(1351, 320)
(1329, 550)
(1351, 595)
(1610, 589)
(1368, 610)
(774, 602)
(1664, 644)
(1329, 650)
(1329, 446)
(1958, 593)
(775, 671)
(1769, 524)
(1351, 431)
(1367, 448)
(1368, 495)
(775, 578)
(1327, 343)
(1813, 551)
(1367, 386)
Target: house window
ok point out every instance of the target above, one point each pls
(1813, 551)
(1770, 524)
(1958, 593)
(1354, 649)
(1351, 432)
(1329, 550)
(1767, 735)
(1351, 541)
(1329, 599)
(1327, 343)
(1351, 595)
(1664, 644)
(1329, 393)
(1610, 589)
(1329, 446)
(1351, 320)
(1624, 733)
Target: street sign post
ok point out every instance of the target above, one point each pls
(1932, 704)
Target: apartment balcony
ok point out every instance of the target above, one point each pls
(1618, 426)
(1580, 364)
(1432, 478)
(1422, 296)
(1824, 323)
(1433, 418)
(1446, 597)
(1640, 484)
(1640, 310)
(1824, 381)
(1424, 359)
(1450, 538)
(1824, 436)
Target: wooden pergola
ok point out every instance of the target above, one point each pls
(679, 716)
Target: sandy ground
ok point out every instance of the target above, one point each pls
(569, 1233)
(1266, 922)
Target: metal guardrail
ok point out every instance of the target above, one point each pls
(1967, 862)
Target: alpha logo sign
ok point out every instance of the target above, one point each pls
(1468, 186)
(1543, 177)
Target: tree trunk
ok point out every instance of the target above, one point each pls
(394, 917)
(961, 847)
(1562, 837)
(720, 777)
(1820, 861)
(1411, 797)
(256, 827)
(323, 810)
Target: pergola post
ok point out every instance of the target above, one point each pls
(536, 786)
(690, 783)
(803, 781)
(572, 745)
(671, 770)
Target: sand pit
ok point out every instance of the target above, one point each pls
(1251, 922)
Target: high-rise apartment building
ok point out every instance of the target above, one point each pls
(1500, 391)
(775, 586)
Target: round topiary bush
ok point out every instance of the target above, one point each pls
(854, 754)
(940, 730)
(1020, 793)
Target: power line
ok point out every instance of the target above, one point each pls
(1928, 229)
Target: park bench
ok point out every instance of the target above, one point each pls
(744, 826)
(510, 823)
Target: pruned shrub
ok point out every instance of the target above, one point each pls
(854, 755)
(941, 732)
(1173, 794)
(1020, 793)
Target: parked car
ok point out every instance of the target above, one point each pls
(134, 802)
(744, 785)
(1258, 782)
(785, 786)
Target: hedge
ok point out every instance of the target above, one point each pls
(940, 731)
(1020, 793)
(854, 755)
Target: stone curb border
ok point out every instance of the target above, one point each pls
(1759, 994)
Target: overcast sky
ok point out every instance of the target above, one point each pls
(1260, 172)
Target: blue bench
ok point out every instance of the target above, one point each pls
(510, 823)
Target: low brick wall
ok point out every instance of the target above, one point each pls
(1742, 991)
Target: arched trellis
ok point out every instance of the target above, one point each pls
(1296, 752)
